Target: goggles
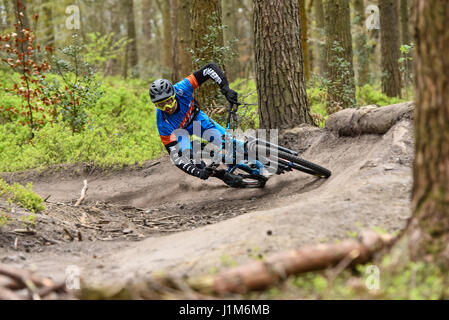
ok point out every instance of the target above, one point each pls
(166, 104)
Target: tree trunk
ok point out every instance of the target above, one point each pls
(362, 51)
(341, 89)
(206, 14)
(279, 65)
(304, 37)
(146, 31)
(184, 38)
(389, 38)
(405, 22)
(167, 59)
(428, 232)
(176, 73)
(4, 15)
(405, 32)
(230, 8)
(114, 65)
(132, 53)
(47, 7)
(246, 38)
(319, 35)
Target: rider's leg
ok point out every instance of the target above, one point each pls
(186, 148)
(213, 133)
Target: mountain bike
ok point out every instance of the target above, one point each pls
(254, 159)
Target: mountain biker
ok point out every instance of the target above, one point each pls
(177, 109)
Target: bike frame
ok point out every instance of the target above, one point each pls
(249, 145)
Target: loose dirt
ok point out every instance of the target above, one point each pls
(153, 218)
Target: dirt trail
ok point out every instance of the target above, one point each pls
(155, 218)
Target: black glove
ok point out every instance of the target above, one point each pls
(206, 173)
(231, 95)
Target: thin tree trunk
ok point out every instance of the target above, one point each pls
(3, 15)
(167, 52)
(341, 89)
(176, 74)
(146, 31)
(319, 35)
(405, 22)
(230, 33)
(304, 37)
(246, 39)
(205, 14)
(113, 66)
(428, 232)
(184, 37)
(48, 23)
(132, 53)
(361, 44)
(389, 38)
(279, 65)
(405, 32)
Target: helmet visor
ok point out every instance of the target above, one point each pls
(166, 104)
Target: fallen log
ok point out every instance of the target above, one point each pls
(16, 280)
(259, 275)
(253, 276)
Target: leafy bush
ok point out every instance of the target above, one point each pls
(100, 49)
(368, 95)
(23, 196)
(77, 90)
(121, 129)
(4, 219)
(248, 116)
(20, 52)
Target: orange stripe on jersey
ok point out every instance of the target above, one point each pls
(187, 116)
(168, 139)
(193, 81)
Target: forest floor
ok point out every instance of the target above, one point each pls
(144, 220)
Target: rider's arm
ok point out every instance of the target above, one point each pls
(184, 160)
(209, 71)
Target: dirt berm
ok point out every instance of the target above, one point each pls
(153, 218)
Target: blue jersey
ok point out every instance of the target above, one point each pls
(167, 124)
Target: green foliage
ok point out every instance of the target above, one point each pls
(4, 219)
(352, 234)
(316, 93)
(340, 84)
(121, 130)
(28, 220)
(100, 49)
(406, 281)
(248, 116)
(317, 99)
(368, 95)
(20, 53)
(78, 89)
(210, 51)
(405, 66)
(23, 196)
(227, 262)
